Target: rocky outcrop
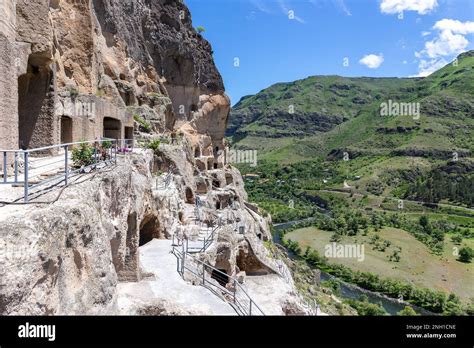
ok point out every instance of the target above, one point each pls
(76, 250)
(70, 68)
(118, 59)
(66, 257)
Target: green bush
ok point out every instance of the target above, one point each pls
(144, 125)
(107, 144)
(466, 254)
(200, 29)
(83, 155)
(154, 145)
(457, 239)
(366, 308)
(407, 311)
(73, 92)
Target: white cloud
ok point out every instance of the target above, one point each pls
(290, 12)
(450, 41)
(455, 26)
(372, 61)
(397, 6)
(425, 33)
(342, 5)
(260, 5)
(427, 67)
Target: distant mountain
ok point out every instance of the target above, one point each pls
(324, 115)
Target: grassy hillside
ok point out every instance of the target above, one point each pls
(406, 180)
(417, 265)
(290, 122)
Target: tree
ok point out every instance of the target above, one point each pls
(424, 221)
(466, 254)
(457, 239)
(200, 29)
(407, 311)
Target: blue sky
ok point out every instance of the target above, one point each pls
(285, 40)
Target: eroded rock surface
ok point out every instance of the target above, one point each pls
(80, 253)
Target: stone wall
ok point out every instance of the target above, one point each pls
(113, 58)
(8, 76)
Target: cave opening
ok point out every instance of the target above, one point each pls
(197, 152)
(210, 163)
(112, 128)
(36, 104)
(129, 133)
(148, 230)
(248, 262)
(220, 276)
(189, 195)
(66, 130)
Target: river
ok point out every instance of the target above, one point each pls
(350, 291)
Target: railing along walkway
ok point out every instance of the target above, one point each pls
(229, 288)
(55, 169)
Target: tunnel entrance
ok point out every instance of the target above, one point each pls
(112, 128)
(36, 104)
(189, 196)
(148, 230)
(129, 133)
(66, 130)
(221, 276)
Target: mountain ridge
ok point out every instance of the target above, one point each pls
(326, 108)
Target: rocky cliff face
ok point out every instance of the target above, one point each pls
(140, 58)
(137, 54)
(71, 253)
(71, 256)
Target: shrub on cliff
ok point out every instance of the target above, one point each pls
(200, 29)
(83, 155)
(153, 145)
(144, 126)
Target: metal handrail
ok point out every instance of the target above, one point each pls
(237, 300)
(111, 157)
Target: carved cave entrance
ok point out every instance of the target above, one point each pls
(221, 276)
(129, 133)
(112, 128)
(149, 230)
(36, 104)
(66, 130)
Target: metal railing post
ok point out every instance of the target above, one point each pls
(250, 307)
(16, 167)
(66, 165)
(95, 156)
(26, 177)
(116, 150)
(203, 273)
(4, 167)
(235, 290)
(182, 261)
